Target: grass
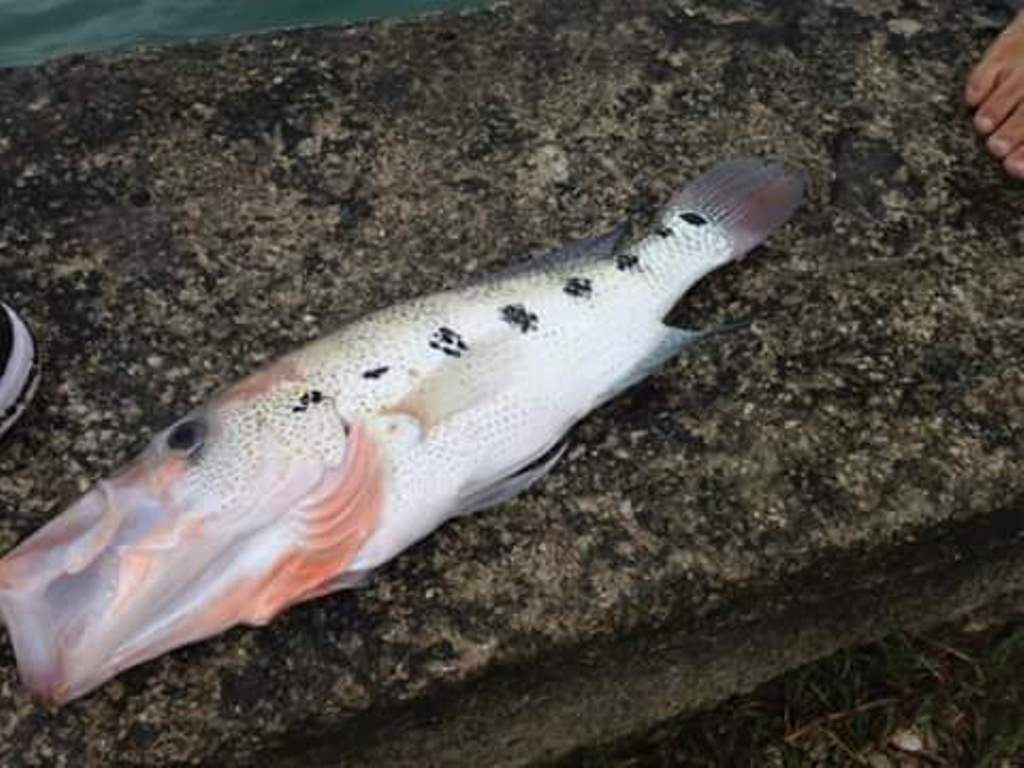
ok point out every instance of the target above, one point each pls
(949, 698)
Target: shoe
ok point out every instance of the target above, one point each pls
(19, 369)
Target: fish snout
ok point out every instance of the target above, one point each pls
(148, 561)
(47, 590)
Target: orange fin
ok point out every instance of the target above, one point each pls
(327, 527)
(335, 519)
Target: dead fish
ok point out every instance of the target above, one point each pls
(19, 369)
(324, 465)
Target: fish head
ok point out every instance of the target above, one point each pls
(232, 514)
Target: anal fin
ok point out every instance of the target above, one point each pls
(504, 488)
(671, 344)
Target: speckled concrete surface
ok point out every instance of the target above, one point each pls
(170, 218)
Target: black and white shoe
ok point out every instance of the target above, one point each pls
(19, 368)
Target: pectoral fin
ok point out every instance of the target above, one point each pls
(330, 523)
(460, 384)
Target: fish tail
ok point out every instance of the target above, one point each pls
(716, 218)
(745, 200)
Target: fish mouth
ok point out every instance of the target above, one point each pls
(48, 587)
(77, 595)
(137, 567)
(117, 578)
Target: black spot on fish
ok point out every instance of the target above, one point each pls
(693, 218)
(664, 232)
(452, 337)
(313, 397)
(519, 316)
(579, 287)
(375, 373)
(446, 350)
(626, 261)
(448, 341)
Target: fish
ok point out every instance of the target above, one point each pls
(317, 469)
(19, 367)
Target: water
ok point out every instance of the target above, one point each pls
(34, 30)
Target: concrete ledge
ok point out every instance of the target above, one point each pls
(169, 218)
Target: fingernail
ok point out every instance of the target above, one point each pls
(998, 147)
(1015, 167)
(984, 123)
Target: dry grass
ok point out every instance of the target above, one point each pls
(952, 698)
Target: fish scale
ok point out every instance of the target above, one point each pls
(608, 339)
(319, 468)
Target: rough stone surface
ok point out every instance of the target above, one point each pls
(170, 218)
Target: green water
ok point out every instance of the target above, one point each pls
(35, 30)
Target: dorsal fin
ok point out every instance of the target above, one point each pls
(584, 249)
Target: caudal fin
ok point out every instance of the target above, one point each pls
(746, 199)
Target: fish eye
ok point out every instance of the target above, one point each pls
(187, 436)
(693, 218)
